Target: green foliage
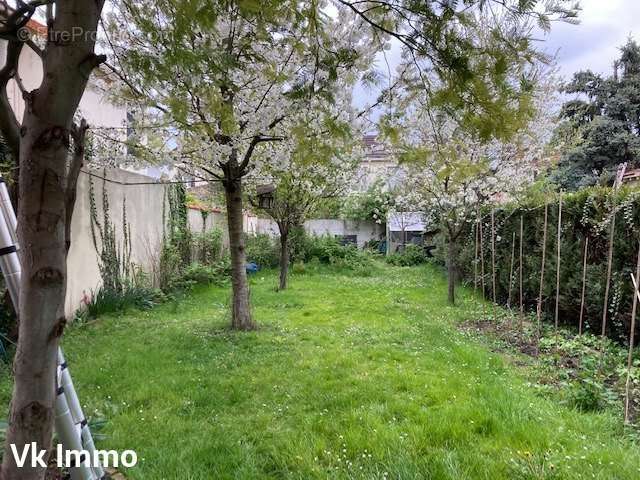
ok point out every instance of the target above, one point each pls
(208, 246)
(177, 227)
(410, 256)
(478, 63)
(107, 301)
(177, 241)
(7, 162)
(580, 376)
(171, 268)
(329, 251)
(298, 244)
(370, 205)
(587, 212)
(326, 250)
(328, 208)
(601, 125)
(342, 364)
(8, 319)
(298, 268)
(114, 256)
(217, 273)
(263, 249)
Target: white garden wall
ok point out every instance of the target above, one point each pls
(364, 230)
(144, 215)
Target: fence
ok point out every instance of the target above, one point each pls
(585, 215)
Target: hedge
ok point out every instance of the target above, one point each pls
(585, 213)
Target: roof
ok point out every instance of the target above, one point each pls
(37, 27)
(202, 197)
(264, 189)
(32, 25)
(406, 221)
(374, 149)
(631, 175)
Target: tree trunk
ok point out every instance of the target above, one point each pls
(241, 307)
(284, 257)
(46, 185)
(41, 232)
(451, 269)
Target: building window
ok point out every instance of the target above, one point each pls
(347, 239)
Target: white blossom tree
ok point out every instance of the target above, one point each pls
(322, 152)
(451, 171)
(225, 77)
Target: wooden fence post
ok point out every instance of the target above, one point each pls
(493, 264)
(636, 294)
(521, 271)
(584, 283)
(513, 260)
(559, 239)
(484, 298)
(544, 257)
(605, 307)
(475, 261)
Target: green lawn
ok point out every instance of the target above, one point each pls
(348, 377)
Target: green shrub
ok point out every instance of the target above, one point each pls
(298, 268)
(373, 245)
(589, 395)
(411, 255)
(585, 213)
(218, 274)
(106, 300)
(304, 249)
(208, 246)
(299, 244)
(170, 268)
(329, 251)
(262, 249)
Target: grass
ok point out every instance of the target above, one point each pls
(347, 378)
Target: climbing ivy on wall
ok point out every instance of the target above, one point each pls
(179, 234)
(114, 256)
(175, 255)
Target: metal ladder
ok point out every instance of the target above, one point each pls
(70, 423)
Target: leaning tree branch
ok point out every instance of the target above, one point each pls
(19, 17)
(9, 125)
(78, 134)
(260, 139)
(34, 47)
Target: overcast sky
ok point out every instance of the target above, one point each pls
(593, 44)
(604, 26)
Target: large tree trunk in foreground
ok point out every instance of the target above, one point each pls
(41, 233)
(241, 307)
(46, 201)
(284, 257)
(451, 270)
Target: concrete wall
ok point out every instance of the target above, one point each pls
(145, 205)
(365, 230)
(214, 219)
(144, 215)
